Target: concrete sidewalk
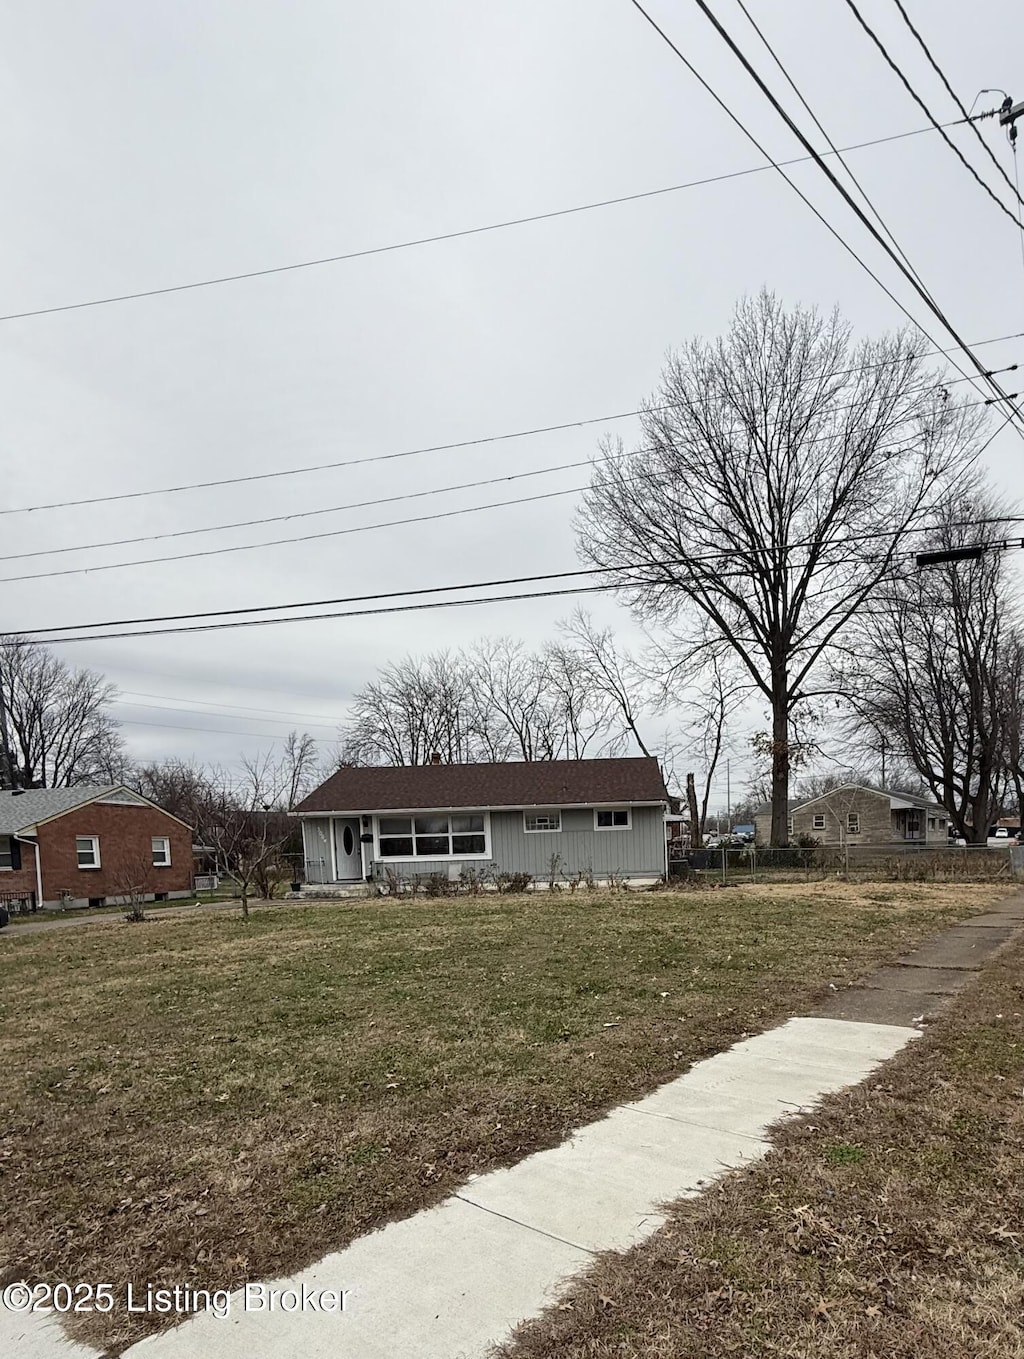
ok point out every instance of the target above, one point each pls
(453, 1280)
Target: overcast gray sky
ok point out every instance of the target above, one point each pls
(149, 145)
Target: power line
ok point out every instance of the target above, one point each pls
(337, 533)
(432, 448)
(834, 150)
(957, 100)
(28, 638)
(360, 613)
(549, 470)
(209, 703)
(356, 613)
(305, 538)
(930, 116)
(218, 731)
(819, 162)
(219, 712)
(443, 236)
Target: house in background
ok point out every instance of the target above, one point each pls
(855, 815)
(75, 846)
(597, 816)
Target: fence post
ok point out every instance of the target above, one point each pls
(724, 867)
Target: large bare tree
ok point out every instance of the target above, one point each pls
(779, 469)
(56, 728)
(931, 664)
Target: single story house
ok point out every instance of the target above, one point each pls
(599, 817)
(856, 815)
(80, 846)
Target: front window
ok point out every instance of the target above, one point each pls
(434, 835)
(819, 821)
(853, 823)
(161, 851)
(615, 818)
(536, 822)
(6, 852)
(87, 848)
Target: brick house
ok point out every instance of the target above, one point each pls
(80, 845)
(856, 815)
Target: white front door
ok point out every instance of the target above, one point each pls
(348, 855)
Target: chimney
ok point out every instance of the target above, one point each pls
(435, 757)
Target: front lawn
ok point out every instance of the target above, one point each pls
(196, 1100)
(889, 1222)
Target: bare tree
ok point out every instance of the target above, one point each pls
(301, 766)
(248, 827)
(512, 683)
(929, 663)
(615, 675)
(184, 788)
(1012, 700)
(132, 878)
(411, 710)
(706, 741)
(779, 470)
(57, 729)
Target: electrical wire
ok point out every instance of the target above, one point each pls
(330, 533)
(443, 236)
(304, 538)
(549, 470)
(364, 613)
(957, 100)
(433, 448)
(221, 707)
(930, 116)
(27, 637)
(219, 712)
(819, 162)
(833, 148)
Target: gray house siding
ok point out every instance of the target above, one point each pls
(316, 848)
(636, 852)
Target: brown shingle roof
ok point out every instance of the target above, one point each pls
(537, 783)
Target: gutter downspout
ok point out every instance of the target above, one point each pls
(39, 869)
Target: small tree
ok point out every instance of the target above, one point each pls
(133, 881)
(247, 825)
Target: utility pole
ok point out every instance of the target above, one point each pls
(728, 796)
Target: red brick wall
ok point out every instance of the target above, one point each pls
(21, 879)
(125, 833)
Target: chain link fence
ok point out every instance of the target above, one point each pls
(900, 862)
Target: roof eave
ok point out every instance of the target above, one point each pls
(483, 807)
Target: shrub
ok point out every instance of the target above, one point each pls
(513, 882)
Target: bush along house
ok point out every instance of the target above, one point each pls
(89, 846)
(600, 819)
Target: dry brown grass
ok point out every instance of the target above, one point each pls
(887, 1225)
(199, 1101)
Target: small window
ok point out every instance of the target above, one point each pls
(853, 823)
(542, 821)
(6, 852)
(616, 818)
(88, 849)
(789, 825)
(818, 821)
(161, 851)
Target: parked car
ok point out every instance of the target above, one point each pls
(1000, 838)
